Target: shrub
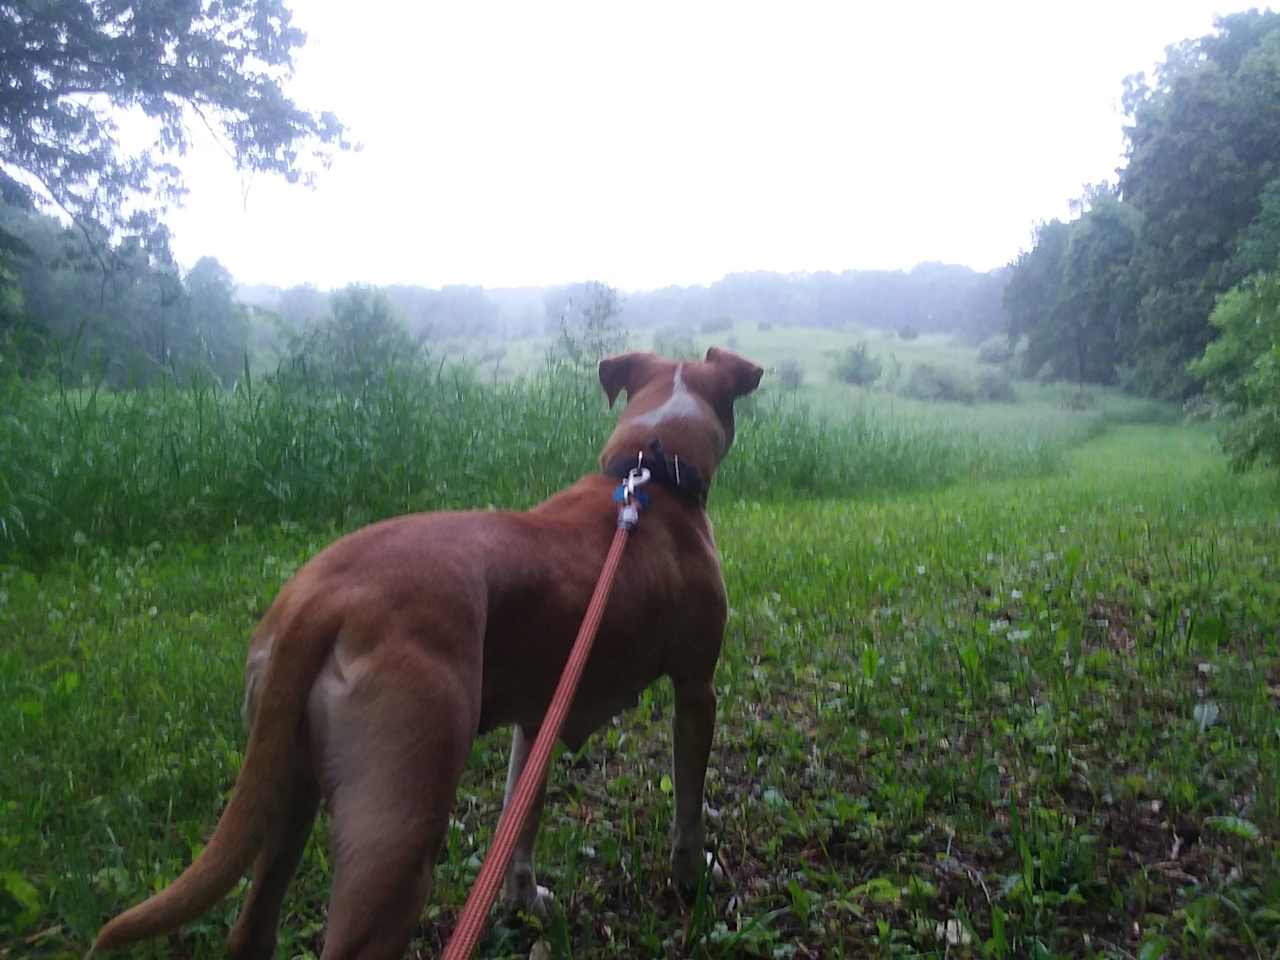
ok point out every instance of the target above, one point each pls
(1078, 401)
(938, 385)
(790, 374)
(995, 387)
(996, 351)
(360, 340)
(1241, 370)
(857, 367)
(765, 326)
(675, 342)
(717, 325)
(907, 332)
(587, 318)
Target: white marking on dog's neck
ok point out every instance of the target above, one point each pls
(680, 405)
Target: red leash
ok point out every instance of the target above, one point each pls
(472, 921)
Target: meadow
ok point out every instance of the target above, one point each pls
(997, 682)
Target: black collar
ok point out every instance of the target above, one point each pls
(672, 472)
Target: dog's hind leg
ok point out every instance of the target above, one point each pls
(520, 887)
(397, 734)
(254, 936)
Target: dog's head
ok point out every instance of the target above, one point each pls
(685, 405)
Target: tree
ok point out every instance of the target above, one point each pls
(360, 340)
(857, 367)
(585, 319)
(1034, 297)
(1258, 246)
(1098, 284)
(1241, 369)
(217, 326)
(1201, 150)
(68, 70)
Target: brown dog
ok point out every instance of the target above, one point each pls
(381, 660)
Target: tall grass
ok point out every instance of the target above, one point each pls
(787, 448)
(192, 459)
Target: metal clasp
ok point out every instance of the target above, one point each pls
(636, 479)
(629, 512)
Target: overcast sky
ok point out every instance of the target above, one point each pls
(646, 144)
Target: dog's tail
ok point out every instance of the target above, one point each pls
(258, 798)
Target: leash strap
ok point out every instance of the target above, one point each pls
(471, 923)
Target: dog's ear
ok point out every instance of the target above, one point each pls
(744, 376)
(626, 371)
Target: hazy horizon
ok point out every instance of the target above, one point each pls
(511, 146)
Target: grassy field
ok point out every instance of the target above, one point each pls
(1025, 707)
(1042, 412)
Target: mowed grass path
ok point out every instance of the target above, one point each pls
(1029, 718)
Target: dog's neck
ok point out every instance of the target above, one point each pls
(682, 477)
(669, 424)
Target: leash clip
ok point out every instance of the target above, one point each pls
(636, 479)
(630, 496)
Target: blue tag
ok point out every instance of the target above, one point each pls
(620, 495)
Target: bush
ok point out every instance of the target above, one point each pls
(907, 332)
(995, 387)
(857, 367)
(587, 318)
(996, 351)
(938, 385)
(790, 374)
(717, 325)
(674, 342)
(1078, 401)
(765, 326)
(1241, 370)
(360, 340)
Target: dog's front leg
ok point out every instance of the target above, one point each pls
(694, 727)
(520, 888)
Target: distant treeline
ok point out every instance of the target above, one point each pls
(117, 309)
(1126, 292)
(132, 316)
(932, 297)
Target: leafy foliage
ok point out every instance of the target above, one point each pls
(68, 67)
(1241, 369)
(1201, 152)
(790, 374)
(585, 318)
(1072, 295)
(938, 384)
(1124, 292)
(997, 351)
(357, 341)
(858, 367)
(994, 386)
(131, 324)
(674, 342)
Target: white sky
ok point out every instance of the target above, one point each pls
(647, 144)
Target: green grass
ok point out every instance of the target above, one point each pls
(1034, 710)
(124, 469)
(1044, 414)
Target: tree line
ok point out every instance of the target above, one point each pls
(929, 298)
(1125, 293)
